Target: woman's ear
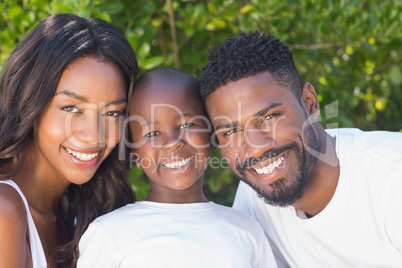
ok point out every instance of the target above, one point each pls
(310, 101)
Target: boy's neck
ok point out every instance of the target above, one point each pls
(176, 197)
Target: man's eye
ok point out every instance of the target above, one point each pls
(70, 109)
(232, 131)
(114, 113)
(186, 125)
(152, 134)
(270, 116)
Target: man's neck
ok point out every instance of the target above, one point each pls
(323, 181)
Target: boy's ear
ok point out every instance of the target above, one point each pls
(310, 101)
(214, 142)
(135, 158)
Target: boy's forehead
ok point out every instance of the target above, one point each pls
(179, 97)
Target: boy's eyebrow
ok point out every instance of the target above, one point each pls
(148, 124)
(183, 115)
(72, 95)
(258, 114)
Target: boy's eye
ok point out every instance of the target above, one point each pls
(186, 125)
(114, 113)
(152, 134)
(230, 132)
(71, 109)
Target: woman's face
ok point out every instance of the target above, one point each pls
(80, 125)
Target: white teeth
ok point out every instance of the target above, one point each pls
(268, 169)
(82, 156)
(178, 163)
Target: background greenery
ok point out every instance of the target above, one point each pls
(351, 51)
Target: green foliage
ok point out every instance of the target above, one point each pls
(350, 51)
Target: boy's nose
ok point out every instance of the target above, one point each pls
(172, 141)
(172, 146)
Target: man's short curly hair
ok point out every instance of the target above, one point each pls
(246, 56)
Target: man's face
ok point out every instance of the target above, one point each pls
(263, 131)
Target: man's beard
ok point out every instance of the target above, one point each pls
(285, 192)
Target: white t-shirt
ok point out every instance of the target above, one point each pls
(150, 234)
(362, 224)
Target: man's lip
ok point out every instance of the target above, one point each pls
(267, 176)
(268, 161)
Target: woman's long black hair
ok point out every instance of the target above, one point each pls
(28, 82)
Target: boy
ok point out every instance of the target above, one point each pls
(176, 226)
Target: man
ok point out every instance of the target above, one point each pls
(326, 198)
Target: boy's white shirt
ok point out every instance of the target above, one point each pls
(150, 234)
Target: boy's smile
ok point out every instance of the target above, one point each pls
(171, 134)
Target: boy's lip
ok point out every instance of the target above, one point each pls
(177, 162)
(83, 158)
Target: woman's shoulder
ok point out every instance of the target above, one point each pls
(12, 209)
(13, 228)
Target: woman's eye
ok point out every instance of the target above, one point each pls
(152, 134)
(71, 109)
(230, 132)
(114, 113)
(186, 125)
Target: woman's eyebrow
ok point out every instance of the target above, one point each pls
(117, 102)
(84, 99)
(72, 95)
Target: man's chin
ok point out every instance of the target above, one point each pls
(279, 194)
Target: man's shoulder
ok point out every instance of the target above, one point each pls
(382, 144)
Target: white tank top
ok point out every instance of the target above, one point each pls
(38, 255)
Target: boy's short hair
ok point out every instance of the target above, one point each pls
(249, 55)
(166, 74)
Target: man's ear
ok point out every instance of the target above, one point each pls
(135, 158)
(310, 101)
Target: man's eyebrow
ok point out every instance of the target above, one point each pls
(265, 110)
(257, 115)
(224, 126)
(72, 95)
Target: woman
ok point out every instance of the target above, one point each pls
(63, 93)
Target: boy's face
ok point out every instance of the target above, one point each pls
(171, 135)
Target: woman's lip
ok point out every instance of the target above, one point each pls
(81, 163)
(84, 151)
